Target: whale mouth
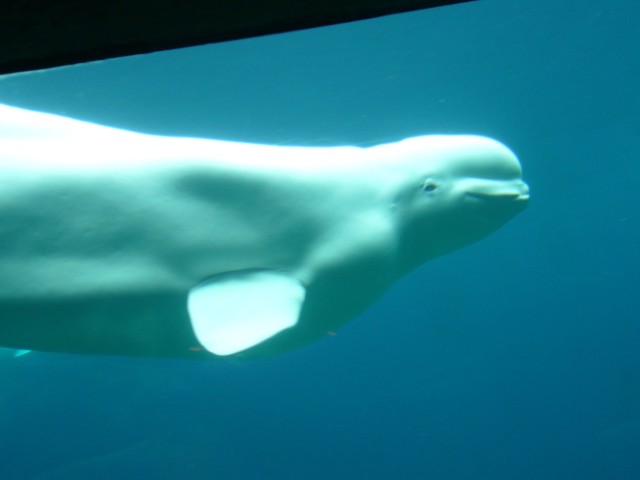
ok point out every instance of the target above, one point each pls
(491, 190)
(515, 196)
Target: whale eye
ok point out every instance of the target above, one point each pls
(429, 186)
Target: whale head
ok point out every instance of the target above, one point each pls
(454, 191)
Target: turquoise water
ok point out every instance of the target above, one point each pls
(517, 357)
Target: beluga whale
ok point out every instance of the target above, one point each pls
(114, 242)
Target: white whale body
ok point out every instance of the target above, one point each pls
(115, 242)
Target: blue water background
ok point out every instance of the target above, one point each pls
(514, 358)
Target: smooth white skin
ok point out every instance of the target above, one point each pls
(103, 232)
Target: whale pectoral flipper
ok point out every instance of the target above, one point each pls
(234, 311)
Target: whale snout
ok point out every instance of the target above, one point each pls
(493, 173)
(499, 190)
